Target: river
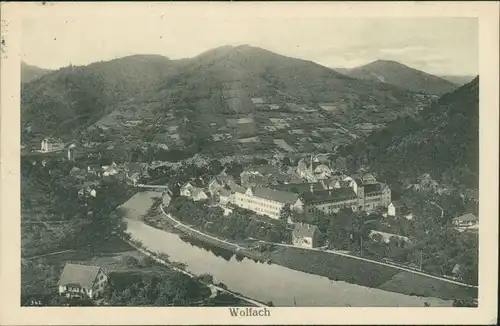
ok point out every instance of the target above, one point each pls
(268, 282)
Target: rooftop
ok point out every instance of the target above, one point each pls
(304, 230)
(374, 187)
(299, 188)
(274, 195)
(81, 275)
(333, 195)
(467, 218)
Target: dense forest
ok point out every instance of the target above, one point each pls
(443, 141)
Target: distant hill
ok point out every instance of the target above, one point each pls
(29, 73)
(459, 79)
(199, 95)
(397, 74)
(442, 141)
(76, 96)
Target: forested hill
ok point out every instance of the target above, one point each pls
(221, 81)
(74, 97)
(442, 141)
(29, 73)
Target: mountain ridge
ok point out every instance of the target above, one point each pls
(400, 75)
(213, 85)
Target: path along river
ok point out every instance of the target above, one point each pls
(261, 281)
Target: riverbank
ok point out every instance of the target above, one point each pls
(232, 246)
(343, 267)
(216, 289)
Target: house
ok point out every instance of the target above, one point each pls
(371, 195)
(51, 144)
(398, 209)
(71, 152)
(195, 193)
(386, 237)
(225, 196)
(186, 189)
(87, 191)
(466, 221)
(262, 175)
(88, 188)
(368, 178)
(134, 171)
(322, 172)
(82, 281)
(266, 201)
(109, 170)
(305, 235)
(219, 182)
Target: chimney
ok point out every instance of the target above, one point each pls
(312, 188)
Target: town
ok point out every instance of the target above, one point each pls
(296, 200)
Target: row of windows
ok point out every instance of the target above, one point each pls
(260, 210)
(374, 194)
(261, 202)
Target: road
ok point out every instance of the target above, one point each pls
(177, 223)
(334, 252)
(340, 253)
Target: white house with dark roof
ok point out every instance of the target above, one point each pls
(398, 209)
(82, 281)
(466, 221)
(304, 235)
(195, 193)
(266, 201)
(51, 144)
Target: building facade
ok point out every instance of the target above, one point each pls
(82, 281)
(265, 201)
(51, 144)
(305, 235)
(330, 201)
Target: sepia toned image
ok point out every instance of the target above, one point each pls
(248, 161)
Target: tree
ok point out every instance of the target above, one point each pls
(285, 213)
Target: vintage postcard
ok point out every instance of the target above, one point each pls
(249, 163)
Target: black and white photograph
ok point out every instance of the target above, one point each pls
(248, 161)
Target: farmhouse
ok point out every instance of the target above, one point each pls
(82, 281)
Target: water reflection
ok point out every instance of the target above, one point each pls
(267, 282)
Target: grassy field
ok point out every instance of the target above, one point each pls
(341, 268)
(335, 267)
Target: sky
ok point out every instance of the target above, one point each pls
(438, 45)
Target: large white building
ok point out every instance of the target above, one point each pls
(266, 201)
